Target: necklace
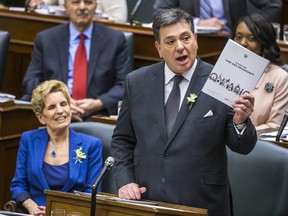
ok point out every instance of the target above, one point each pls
(53, 153)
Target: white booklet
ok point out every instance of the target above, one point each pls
(236, 71)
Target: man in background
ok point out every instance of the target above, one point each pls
(222, 14)
(99, 82)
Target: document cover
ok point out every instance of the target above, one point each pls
(236, 71)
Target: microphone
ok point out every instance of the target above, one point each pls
(134, 11)
(107, 166)
(282, 126)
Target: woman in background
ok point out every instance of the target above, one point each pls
(54, 157)
(116, 10)
(257, 34)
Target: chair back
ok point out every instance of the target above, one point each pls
(4, 42)
(104, 132)
(259, 180)
(130, 41)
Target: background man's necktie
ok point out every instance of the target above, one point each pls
(172, 105)
(205, 9)
(80, 71)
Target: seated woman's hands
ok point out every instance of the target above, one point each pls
(33, 208)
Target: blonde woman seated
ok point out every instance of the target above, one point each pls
(54, 157)
(257, 34)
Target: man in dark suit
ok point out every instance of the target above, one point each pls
(188, 165)
(226, 12)
(108, 62)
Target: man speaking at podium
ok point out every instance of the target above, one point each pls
(177, 154)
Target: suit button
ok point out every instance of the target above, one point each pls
(163, 180)
(166, 156)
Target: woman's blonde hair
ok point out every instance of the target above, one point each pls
(40, 93)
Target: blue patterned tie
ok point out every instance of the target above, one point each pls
(172, 105)
(205, 9)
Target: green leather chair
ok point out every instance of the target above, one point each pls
(259, 180)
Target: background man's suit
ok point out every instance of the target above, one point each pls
(233, 9)
(107, 67)
(189, 167)
(32, 150)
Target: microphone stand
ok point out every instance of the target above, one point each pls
(282, 126)
(93, 199)
(108, 164)
(133, 13)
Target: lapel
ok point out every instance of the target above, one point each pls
(226, 12)
(157, 95)
(63, 50)
(196, 8)
(39, 153)
(196, 84)
(95, 50)
(74, 169)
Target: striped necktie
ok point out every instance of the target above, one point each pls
(205, 9)
(172, 104)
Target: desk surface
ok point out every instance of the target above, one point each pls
(104, 119)
(106, 205)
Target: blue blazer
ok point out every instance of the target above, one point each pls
(107, 67)
(29, 177)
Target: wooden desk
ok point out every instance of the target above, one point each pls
(24, 26)
(105, 206)
(104, 119)
(14, 119)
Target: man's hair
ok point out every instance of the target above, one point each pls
(168, 17)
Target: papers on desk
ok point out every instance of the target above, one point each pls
(139, 202)
(21, 9)
(59, 10)
(10, 100)
(198, 29)
(21, 102)
(236, 72)
(6, 99)
(5, 96)
(51, 9)
(271, 136)
(8, 213)
(114, 117)
(206, 30)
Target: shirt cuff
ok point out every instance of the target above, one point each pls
(196, 21)
(240, 128)
(22, 197)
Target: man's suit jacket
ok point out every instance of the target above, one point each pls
(107, 67)
(29, 176)
(190, 166)
(233, 9)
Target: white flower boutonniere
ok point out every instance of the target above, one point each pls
(80, 155)
(191, 100)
